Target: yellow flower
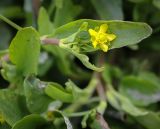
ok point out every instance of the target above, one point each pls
(101, 39)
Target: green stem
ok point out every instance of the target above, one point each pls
(77, 114)
(84, 99)
(10, 22)
(92, 85)
(102, 106)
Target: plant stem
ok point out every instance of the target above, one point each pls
(77, 114)
(36, 6)
(10, 22)
(101, 121)
(100, 86)
(51, 41)
(84, 99)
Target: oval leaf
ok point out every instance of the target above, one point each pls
(142, 91)
(56, 91)
(37, 100)
(128, 33)
(24, 50)
(12, 106)
(30, 122)
(121, 102)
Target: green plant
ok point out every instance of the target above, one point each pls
(34, 101)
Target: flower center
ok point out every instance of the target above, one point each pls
(101, 38)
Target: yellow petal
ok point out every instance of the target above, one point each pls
(110, 37)
(103, 28)
(92, 32)
(104, 47)
(95, 44)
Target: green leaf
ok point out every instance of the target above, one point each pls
(122, 103)
(24, 50)
(9, 73)
(128, 33)
(141, 90)
(149, 121)
(108, 9)
(45, 26)
(56, 91)
(66, 12)
(12, 106)
(156, 3)
(83, 58)
(32, 121)
(37, 100)
(59, 3)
